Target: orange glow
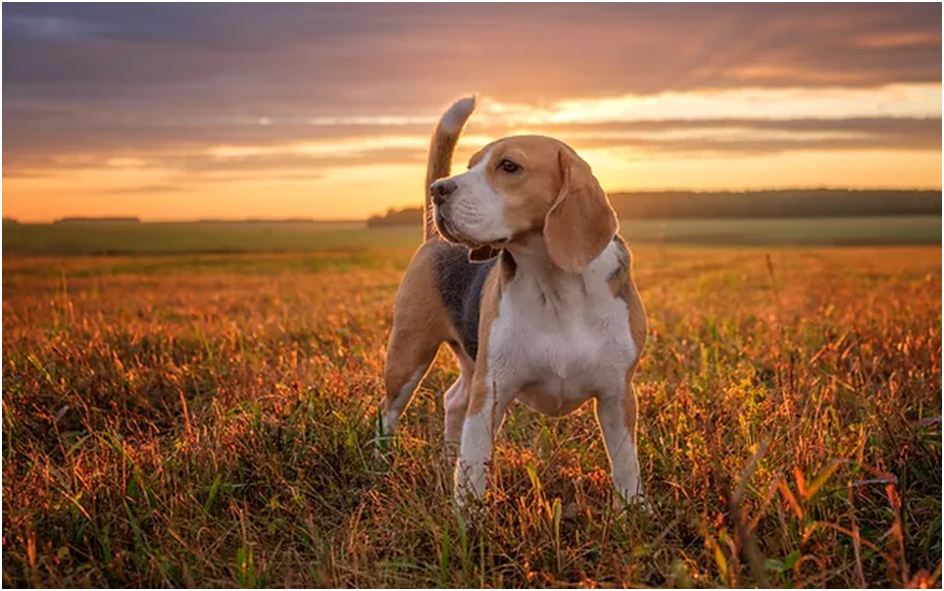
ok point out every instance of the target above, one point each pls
(357, 192)
(378, 162)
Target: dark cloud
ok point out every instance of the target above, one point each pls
(39, 130)
(205, 58)
(142, 80)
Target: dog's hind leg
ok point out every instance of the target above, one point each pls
(408, 360)
(420, 324)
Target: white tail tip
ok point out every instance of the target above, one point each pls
(454, 119)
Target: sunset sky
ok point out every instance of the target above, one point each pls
(325, 111)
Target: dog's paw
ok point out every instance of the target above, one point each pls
(636, 503)
(383, 447)
(380, 449)
(470, 507)
(462, 498)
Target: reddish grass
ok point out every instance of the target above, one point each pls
(208, 422)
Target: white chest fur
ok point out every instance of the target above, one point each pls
(560, 339)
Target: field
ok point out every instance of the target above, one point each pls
(207, 420)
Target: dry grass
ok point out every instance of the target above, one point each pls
(208, 422)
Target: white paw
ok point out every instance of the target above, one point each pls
(380, 448)
(636, 502)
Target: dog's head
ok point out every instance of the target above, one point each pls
(521, 185)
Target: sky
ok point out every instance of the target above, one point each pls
(325, 111)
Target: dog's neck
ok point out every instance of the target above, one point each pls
(533, 279)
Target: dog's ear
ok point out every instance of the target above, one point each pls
(482, 253)
(581, 222)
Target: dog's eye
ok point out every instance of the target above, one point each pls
(508, 166)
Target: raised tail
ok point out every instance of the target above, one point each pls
(441, 148)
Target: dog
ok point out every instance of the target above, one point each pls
(524, 276)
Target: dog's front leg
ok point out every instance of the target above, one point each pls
(484, 417)
(616, 413)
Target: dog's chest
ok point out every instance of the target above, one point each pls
(557, 354)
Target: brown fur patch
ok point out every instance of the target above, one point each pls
(623, 287)
(488, 313)
(581, 222)
(638, 321)
(420, 323)
(509, 267)
(629, 406)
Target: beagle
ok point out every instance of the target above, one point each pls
(530, 287)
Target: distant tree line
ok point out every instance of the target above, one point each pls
(135, 220)
(790, 203)
(411, 216)
(109, 220)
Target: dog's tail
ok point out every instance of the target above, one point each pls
(441, 149)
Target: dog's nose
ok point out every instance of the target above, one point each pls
(442, 189)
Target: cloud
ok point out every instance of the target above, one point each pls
(394, 59)
(294, 157)
(757, 135)
(286, 163)
(143, 190)
(48, 29)
(169, 86)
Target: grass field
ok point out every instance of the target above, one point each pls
(208, 421)
(210, 237)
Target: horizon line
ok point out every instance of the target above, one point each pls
(137, 219)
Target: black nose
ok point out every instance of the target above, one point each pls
(442, 189)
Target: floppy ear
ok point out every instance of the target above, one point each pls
(581, 222)
(482, 253)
